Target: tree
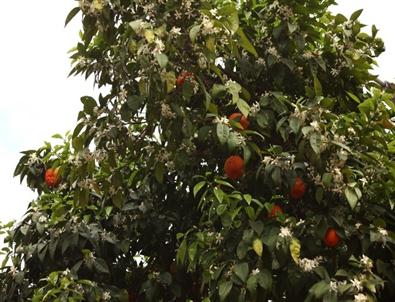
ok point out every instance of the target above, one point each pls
(243, 153)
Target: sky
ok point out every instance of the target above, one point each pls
(38, 100)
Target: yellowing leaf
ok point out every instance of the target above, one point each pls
(294, 248)
(258, 247)
(149, 35)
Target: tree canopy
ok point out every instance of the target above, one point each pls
(244, 152)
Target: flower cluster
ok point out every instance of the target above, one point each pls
(308, 265)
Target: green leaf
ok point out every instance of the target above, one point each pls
(242, 249)
(243, 107)
(292, 27)
(101, 266)
(247, 198)
(159, 172)
(194, 32)
(222, 133)
(162, 59)
(136, 25)
(355, 15)
(192, 250)
(265, 279)
(181, 252)
(231, 17)
(89, 104)
(242, 270)
(219, 194)
(317, 86)
(353, 97)
(295, 124)
(71, 15)
(319, 289)
(340, 19)
(351, 196)
(198, 187)
(316, 142)
(245, 42)
(224, 289)
(257, 226)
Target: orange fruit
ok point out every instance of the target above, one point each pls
(234, 167)
(52, 177)
(298, 188)
(275, 211)
(238, 117)
(182, 77)
(331, 239)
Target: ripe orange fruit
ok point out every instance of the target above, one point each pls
(331, 239)
(298, 188)
(52, 177)
(238, 117)
(234, 167)
(182, 77)
(275, 211)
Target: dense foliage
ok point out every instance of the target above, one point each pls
(244, 152)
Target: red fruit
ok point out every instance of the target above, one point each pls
(275, 211)
(298, 189)
(182, 77)
(234, 167)
(52, 177)
(331, 239)
(238, 117)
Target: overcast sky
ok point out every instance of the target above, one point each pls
(37, 99)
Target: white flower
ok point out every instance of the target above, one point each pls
(383, 232)
(337, 176)
(42, 219)
(123, 94)
(358, 225)
(241, 140)
(32, 159)
(89, 258)
(159, 46)
(255, 272)
(208, 26)
(351, 131)
(267, 160)
(106, 296)
(285, 232)
(364, 181)
(357, 284)
(175, 31)
(261, 61)
(255, 108)
(366, 262)
(66, 272)
(13, 271)
(307, 265)
(273, 51)
(202, 62)
(166, 111)
(221, 120)
(300, 222)
(315, 125)
(360, 298)
(214, 12)
(218, 238)
(333, 286)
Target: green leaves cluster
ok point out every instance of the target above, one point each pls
(144, 210)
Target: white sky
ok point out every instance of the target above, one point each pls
(37, 99)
